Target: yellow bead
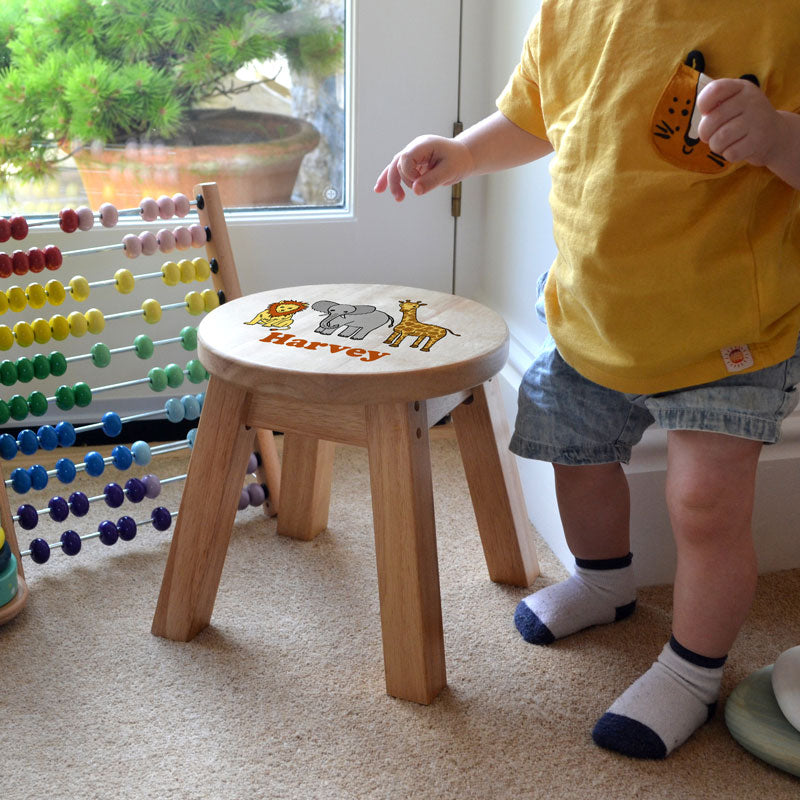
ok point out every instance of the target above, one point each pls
(95, 320)
(42, 333)
(55, 292)
(187, 270)
(17, 299)
(77, 324)
(23, 333)
(59, 326)
(171, 273)
(37, 297)
(3, 303)
(125, 281)
(195, 304)
(2, 537)
(152, 310)
(202, 269)
(210, 299)
(79, 288)
(6, 338)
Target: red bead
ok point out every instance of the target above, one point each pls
(6, 265)
(36, 260)
(19, 227)
(5, 229)
(68, 219)
(19, 262)
(52, 257)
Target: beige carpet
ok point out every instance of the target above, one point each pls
(283, 696)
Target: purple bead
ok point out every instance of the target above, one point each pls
(161, 517)
(108, 532)
(252, 464)
(126, 526)
(115, 496)
(135, 490)
(152, 486)
(70, 543)
(79, 503)
(59, 509)
(40, 551)
(244, 500)
(257, 494)
(28, 517)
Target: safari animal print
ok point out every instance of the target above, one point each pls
(278, 315)
(409, 325)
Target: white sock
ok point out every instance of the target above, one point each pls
(599, 592)
(664, 707)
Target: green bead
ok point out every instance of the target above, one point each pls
(5, 412)
(41, 366)
(58, 363)
(83, 394)
(18, 407)
(37, 403)
(174, 375)
(24, 370)
(158, 379)
(197, 372)
(144, 346)
(65, 397)
(189, 338)
(101, 355)
(8, 373)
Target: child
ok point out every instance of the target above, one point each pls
(674, 298)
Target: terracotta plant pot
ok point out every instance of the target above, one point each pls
(253, 157)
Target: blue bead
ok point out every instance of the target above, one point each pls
(70, 543)
(28, 517)
(79, 503)
(59, 509)
(38, 476)
(20, 481)
(108, 532)
(65, 470)
(27, 441)
(115, 497)
(174, 409)
(126, 526)
(191, 406)
(161, 518)
(112, 424)
(94, 463)
(122, 457)
(141, 453)
(40, 551)
(48, 438)
(66, 434)
(8, 446)
(135, 490)
(201, 398)
(191, 436)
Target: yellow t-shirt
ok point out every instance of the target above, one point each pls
(674, 267)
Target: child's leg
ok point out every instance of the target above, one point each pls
(710, 493)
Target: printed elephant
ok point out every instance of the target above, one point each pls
(355, 321)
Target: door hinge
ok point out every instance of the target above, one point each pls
(455, 194)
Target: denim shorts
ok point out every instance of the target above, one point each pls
(566, 419)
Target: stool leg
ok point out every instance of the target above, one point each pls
(307, 472)
(494, 485)
(405, 548)
(205, 518)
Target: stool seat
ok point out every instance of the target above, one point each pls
(370, 365)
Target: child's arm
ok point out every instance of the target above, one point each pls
(490, 145)
(740, 123)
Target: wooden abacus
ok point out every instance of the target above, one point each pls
(79, 395)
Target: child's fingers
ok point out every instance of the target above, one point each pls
(717, 92)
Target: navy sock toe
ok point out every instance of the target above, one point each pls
(627, 736)
(531, 628)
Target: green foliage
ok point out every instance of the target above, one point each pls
(76, 71)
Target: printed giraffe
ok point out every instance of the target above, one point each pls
(409, 325)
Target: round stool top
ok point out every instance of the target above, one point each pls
(353, 343)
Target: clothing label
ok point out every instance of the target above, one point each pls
(737, 357)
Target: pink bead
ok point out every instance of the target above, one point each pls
(149, 243)
(252, 464)
(149, 209)
(257, 494)
(198, 235)
(85, 218)
(166, 207)
(182, 204)
(132, 245)
(244, 500)
(166, 240)
(183, 238)
(109, 216)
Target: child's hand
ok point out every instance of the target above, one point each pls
(739, 122)
(424, 164)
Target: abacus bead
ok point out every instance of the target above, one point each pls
(135, 490)
(187, 270)
(191, 436)
(199, 237)
(174, 375)
(101, 355)
(5, 229)
(52, 257)
(66, 433)
(6, 265)
(20, 480)
(174, 409)
(58, 508)
(8, 373)
(182, 204)
(152, 311)
(194, 303)
(183, 237)
(79, 288)
(189, 338)
(161, 517)
(141, 454)
(38, 476)
(41, 366)
(19, 228)
(5, 414)
(17, 299)
(149, 243)
(40, 551)
(170, 273)
(109, 216)
(65, 470)
(27, 442)
(68, 220)
(83, 394)
(210, 299)
(252, 464)
(148, 209)
(23, 334)
(48, 438)
(166, 207)
(37, 403)
(191, 406)
(244, 500)
(79, 504)
(59, 325)
(152, 486)
(36, 295)
(132, 245)
(95, 321)
(8, 446)
(18, 407)
(36, 262)
(78, 324)
(197, 372)
(42, 332)
(144, 346)
(85, 218)
(114, 495)
(24, 370)
(65, 397)
(19, 262)
(56, 294)
(126, 527)
(6, 338)
(108, 532)
(94, 463)
(257, 494)
(70, 543)
(202, 269)
(112, 424)
(3, 303)
(158, 379)
(125, 281)
(122, 457)
(166, 240)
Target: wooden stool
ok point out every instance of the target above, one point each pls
(368, 365)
